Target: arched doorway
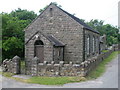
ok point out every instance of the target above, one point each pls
(39, 50)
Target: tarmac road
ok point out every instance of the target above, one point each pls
(108, 80)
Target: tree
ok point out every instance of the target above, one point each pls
(97, 25)
(110, 31)
(13, 46)
(12, 31)
(23, 14)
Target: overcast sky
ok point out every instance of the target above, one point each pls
(106, 10)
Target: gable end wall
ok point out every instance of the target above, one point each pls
(62, 27)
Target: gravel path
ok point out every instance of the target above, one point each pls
(108, 80)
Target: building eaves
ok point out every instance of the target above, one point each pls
(79, 21)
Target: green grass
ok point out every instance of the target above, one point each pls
(118, 52)
(46, 80)
(63, 80)
(22, 64)
(104, 51)
(55, 80)
(7, 74)
(100, 69)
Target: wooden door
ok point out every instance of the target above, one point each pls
(39, 52)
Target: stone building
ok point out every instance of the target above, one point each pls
(56, 35)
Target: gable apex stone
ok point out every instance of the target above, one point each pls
(85, 26)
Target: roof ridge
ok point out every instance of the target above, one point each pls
(72, 16)
(78, 20)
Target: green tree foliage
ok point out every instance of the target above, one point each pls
(43, 9)
(97, 25)
(112, 33)
(13, 25)
(23, 14)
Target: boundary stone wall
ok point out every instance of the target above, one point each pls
(70, 69)
(11, 65)
(61, 69)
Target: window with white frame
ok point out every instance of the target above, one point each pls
(88, 45)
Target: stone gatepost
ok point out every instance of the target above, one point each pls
(83, 69)
(10, 66)
(4, 65)
(34, 66)
(16, 65)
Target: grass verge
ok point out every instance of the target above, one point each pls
(55, 80)
(46, 80)
(100, 69)
(63, 80)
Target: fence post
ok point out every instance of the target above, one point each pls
(34, 67)
(16, 65)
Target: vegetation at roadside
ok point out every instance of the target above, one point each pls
(100, 69)
(97, 72)
(55, 80)
(46, 80)
(118, 52)
(7, 74)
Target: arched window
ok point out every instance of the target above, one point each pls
(38, 42)
(93, 41)
(88, 45)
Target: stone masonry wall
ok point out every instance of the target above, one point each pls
(11, 65)
(70, 69)
(60, 69)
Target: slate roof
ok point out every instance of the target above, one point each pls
(54, 41)
(79, 21)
